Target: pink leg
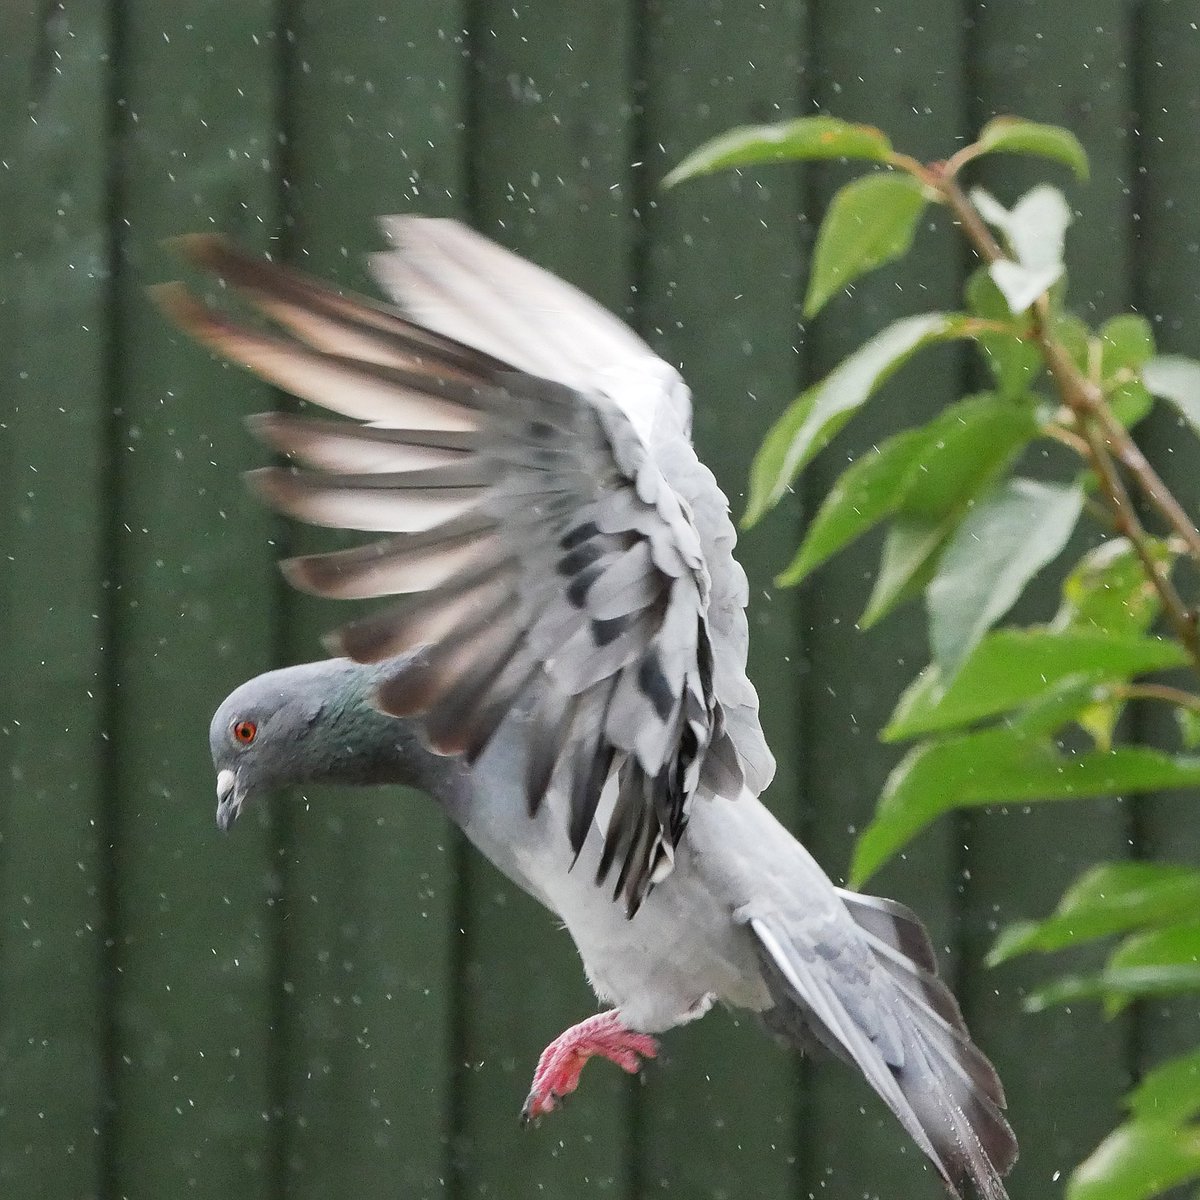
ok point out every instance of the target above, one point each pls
(561, 1063)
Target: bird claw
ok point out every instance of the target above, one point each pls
(562, 1062)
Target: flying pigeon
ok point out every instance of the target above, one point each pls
(563, 663)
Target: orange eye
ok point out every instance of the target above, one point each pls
(245, 732)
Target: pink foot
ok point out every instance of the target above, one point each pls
(561, 1063)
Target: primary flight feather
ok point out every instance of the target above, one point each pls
(563, 662)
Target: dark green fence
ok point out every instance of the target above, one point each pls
(339, 1000)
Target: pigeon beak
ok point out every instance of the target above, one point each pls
(229, 800)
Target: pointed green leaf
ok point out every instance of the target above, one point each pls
(1176, 379)
(1188, 720)
(1126, 344)
(907, 563)
(1111, 898)
(870, 221)
(1000, 546)
(1005, 766)
(1108, 589)
(1170, 1092)
(1012, 358)
(931, 472)
(1162, 962)
(807, 426)
(1011, 667)
(1138, 1160)
(804, 138)
(1014, 135)
(867, 491)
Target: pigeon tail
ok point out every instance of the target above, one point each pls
(870, 994)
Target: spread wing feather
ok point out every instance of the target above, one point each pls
(542, 553)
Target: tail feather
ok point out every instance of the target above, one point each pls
(865, 988)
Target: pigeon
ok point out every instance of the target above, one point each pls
(561, 664)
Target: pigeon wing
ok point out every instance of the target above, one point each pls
(538, 550)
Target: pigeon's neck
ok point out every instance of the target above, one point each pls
(353, 743)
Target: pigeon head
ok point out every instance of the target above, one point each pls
(305, 724)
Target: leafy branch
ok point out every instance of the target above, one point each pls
(996, 715)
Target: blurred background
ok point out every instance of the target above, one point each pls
(339, 999)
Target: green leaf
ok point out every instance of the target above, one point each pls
(1188, 720)
(867, 491)
(1014, 135)
(1162, 962)
(1076, 338)
(804, 138)
(1126, 344)
(1013, 359)
(1170, 1092)
(1176, 379)
(1001, 544)
(809, 423)
(1004, 766)
(1110, 898)
(928, 472)
(1011, 667)
(1108, 589)
(971, 443)
(870, 221)
(1137, 1160)
(906, 564)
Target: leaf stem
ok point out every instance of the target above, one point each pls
(1103, 435)
(1158, 691)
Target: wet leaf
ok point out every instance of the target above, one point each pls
(1170, 1092)
(1126, 344)
(1012, 357)
(1110, 898)
(906, 563)
(1004, 766)
(1188, 720)
(1162, 962)
(1176, 379)
(926, 473)
(998, 548)
(1011, 667)
(1014, 135)
(809, 423)
(1020, 285)
(1137, 1160)
(870, 221)
(802, 139)
(1108, 589)
(867, 491)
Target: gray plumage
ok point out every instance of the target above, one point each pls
(570, 640)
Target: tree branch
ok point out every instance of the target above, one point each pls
(1100, 430)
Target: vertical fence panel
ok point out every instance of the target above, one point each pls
(315, 966)
(898, 67)
(373, 119)
(550, 150)
(54, 344)
(195, 950)
(1062, 68)
(1166, 267)
(718, 298)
